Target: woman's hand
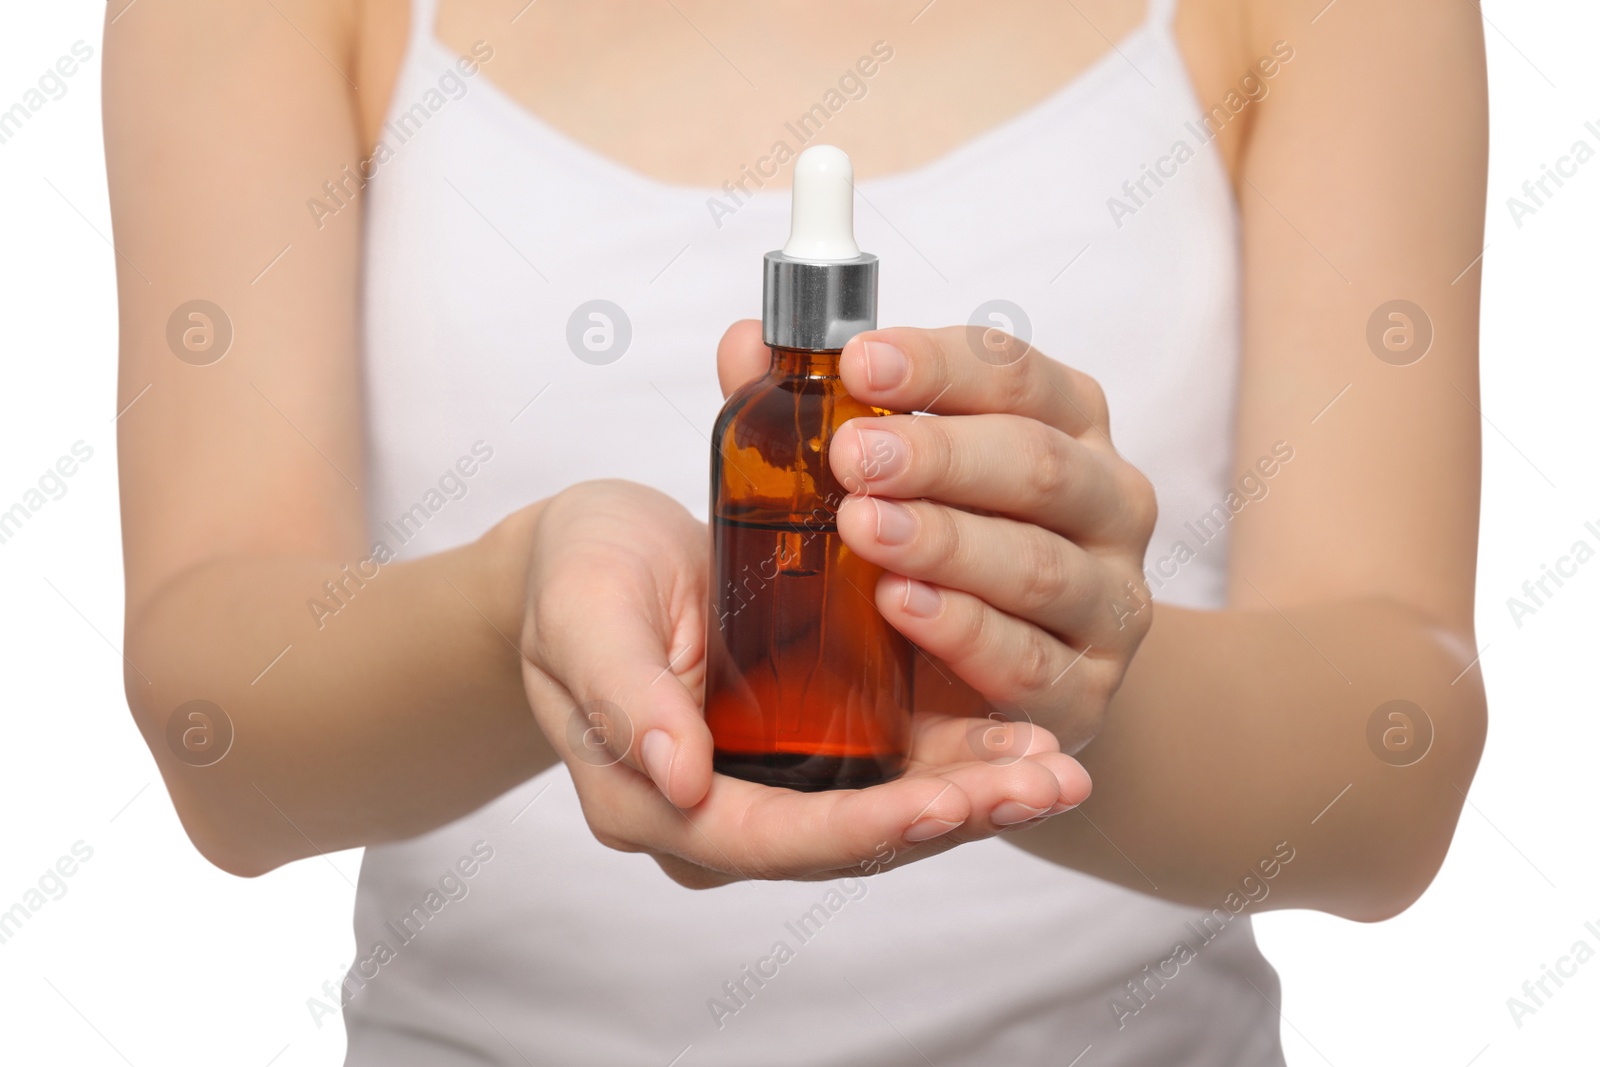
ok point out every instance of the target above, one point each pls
(1012, 533)
(614, 661)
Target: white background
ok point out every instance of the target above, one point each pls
(153, 957)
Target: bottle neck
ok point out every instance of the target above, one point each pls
(801, 363)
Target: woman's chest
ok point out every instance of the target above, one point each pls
(688, 92)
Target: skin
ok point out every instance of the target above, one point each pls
(1211, 735)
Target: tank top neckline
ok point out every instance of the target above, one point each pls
(1154, 26)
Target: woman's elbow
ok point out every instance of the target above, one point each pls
(189, 741)
(1415, 822)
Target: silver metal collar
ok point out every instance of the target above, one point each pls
(817, 306)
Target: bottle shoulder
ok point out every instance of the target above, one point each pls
(783, 404)
(738, 401)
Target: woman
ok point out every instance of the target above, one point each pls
(442, 287)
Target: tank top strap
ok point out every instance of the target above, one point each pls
(1158, 13)
(423, 15)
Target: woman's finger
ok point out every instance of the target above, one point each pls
(948, 740)
(1005, 464)
(1011, 793)
(621, 630)
(756, 831)
(1014, 664)
(741, 356)
(627, 705)
(1023, 570)
(955, 371)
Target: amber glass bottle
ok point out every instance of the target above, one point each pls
(807, 686)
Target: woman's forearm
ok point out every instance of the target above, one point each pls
(1236, 731)
(394, 707)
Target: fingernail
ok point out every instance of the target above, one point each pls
(882, 453)
(928, 829)
(1011, 812)
(657, 751)
(1057, 809)
(886, 365)
(1075, 781)
(896, 524)
(922, 600)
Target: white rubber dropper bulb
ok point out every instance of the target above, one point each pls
(822, 226)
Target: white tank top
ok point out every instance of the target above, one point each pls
(511, 936)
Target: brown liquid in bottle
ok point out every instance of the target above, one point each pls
(807, 685)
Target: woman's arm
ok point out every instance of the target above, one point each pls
(1235, 732)
(241, 498)
(1362, 181)
(240, 479)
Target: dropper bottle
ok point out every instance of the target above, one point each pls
(807, 685)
